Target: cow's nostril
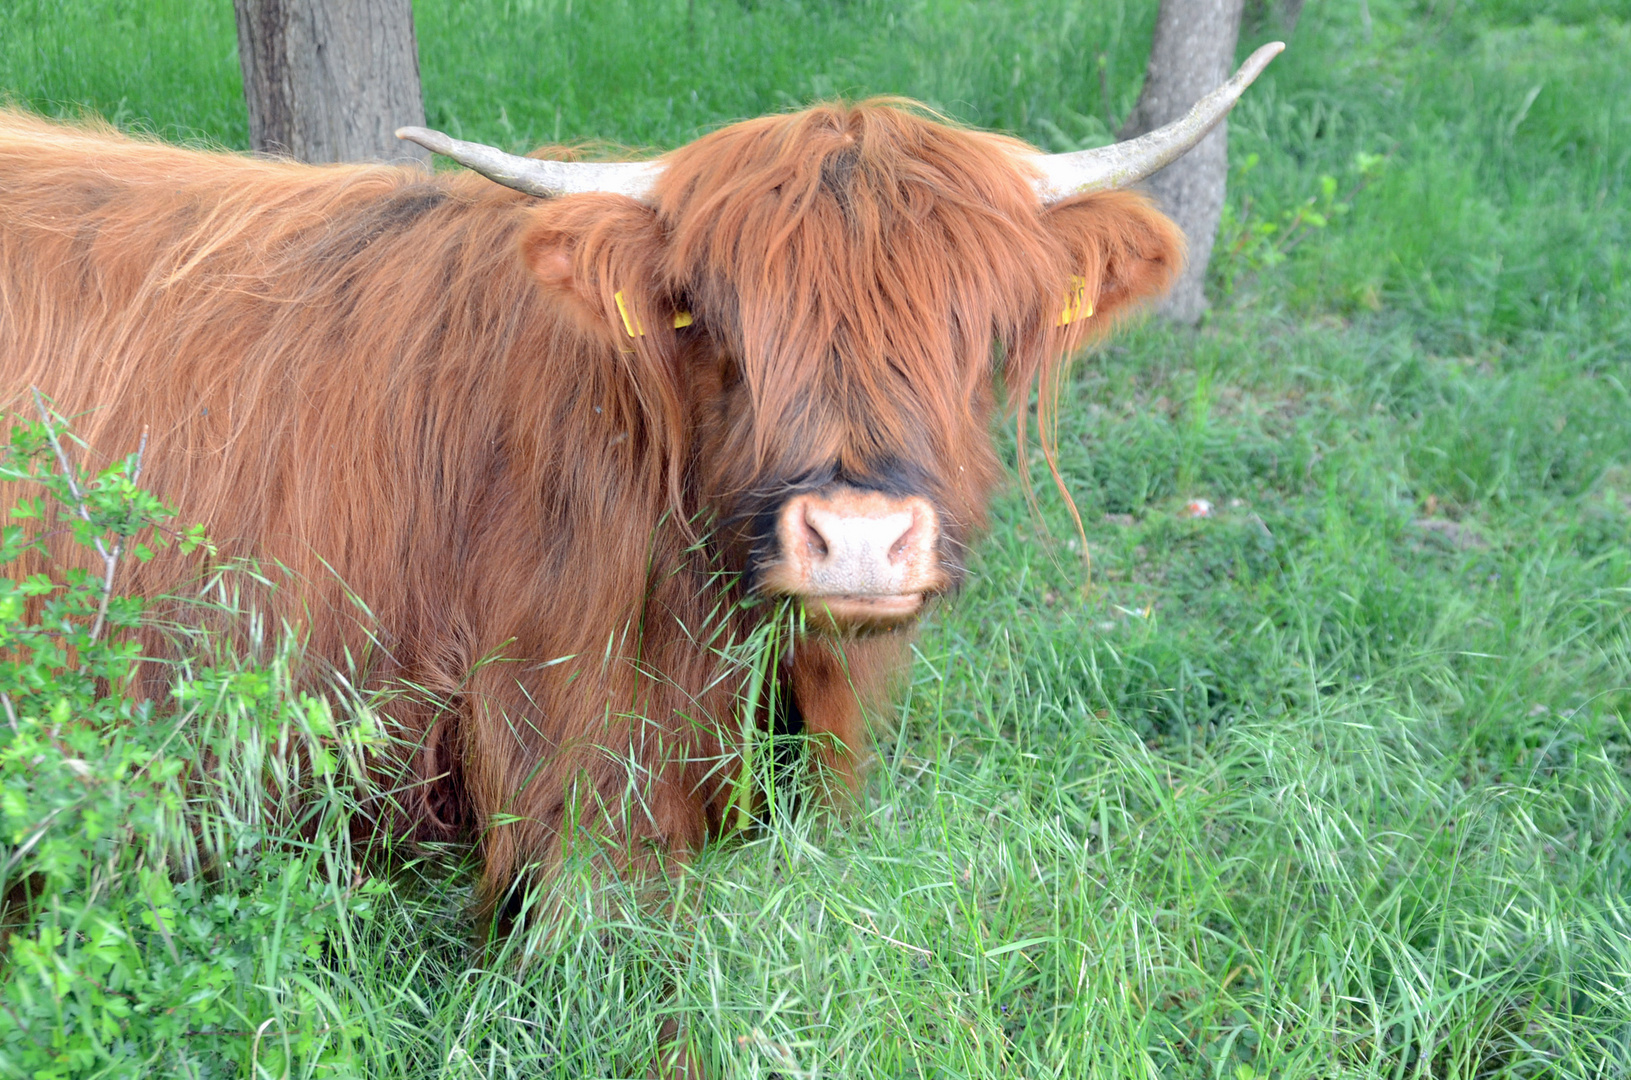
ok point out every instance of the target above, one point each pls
(906, 541)
(814, 540)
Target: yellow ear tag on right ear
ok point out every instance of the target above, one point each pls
(1077, 305)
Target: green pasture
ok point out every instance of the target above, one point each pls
(1334, 782)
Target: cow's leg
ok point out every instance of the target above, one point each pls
(631, 790)
(675, 1061)
(627, 776)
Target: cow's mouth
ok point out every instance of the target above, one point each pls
(860, 612)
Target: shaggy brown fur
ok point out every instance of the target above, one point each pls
(417, 391)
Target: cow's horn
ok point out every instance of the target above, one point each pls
(1124, 163)
(535, 177)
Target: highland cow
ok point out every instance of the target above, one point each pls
(534, 452)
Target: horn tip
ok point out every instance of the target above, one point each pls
(429, 138)
(1264, 53)
(1256, 62)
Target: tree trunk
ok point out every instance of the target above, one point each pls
(330, 80)
(1193, 52)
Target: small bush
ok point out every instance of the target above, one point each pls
(176, 872)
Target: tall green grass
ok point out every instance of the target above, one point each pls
(523, 72)
(1333, 782)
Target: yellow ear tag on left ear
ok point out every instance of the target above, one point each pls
(1077, 305)
(632, 326)
(630, 323)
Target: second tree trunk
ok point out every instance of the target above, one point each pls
(1193, 52)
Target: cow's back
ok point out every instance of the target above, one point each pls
(338, 369)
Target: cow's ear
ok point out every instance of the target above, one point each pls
(1125, 251)
(599, 256)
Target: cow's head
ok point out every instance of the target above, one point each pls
(819, 304)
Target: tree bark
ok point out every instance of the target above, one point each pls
(330, 80)
(1193, 52)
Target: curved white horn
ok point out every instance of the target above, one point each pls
(535, 177)
(1124, 163)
